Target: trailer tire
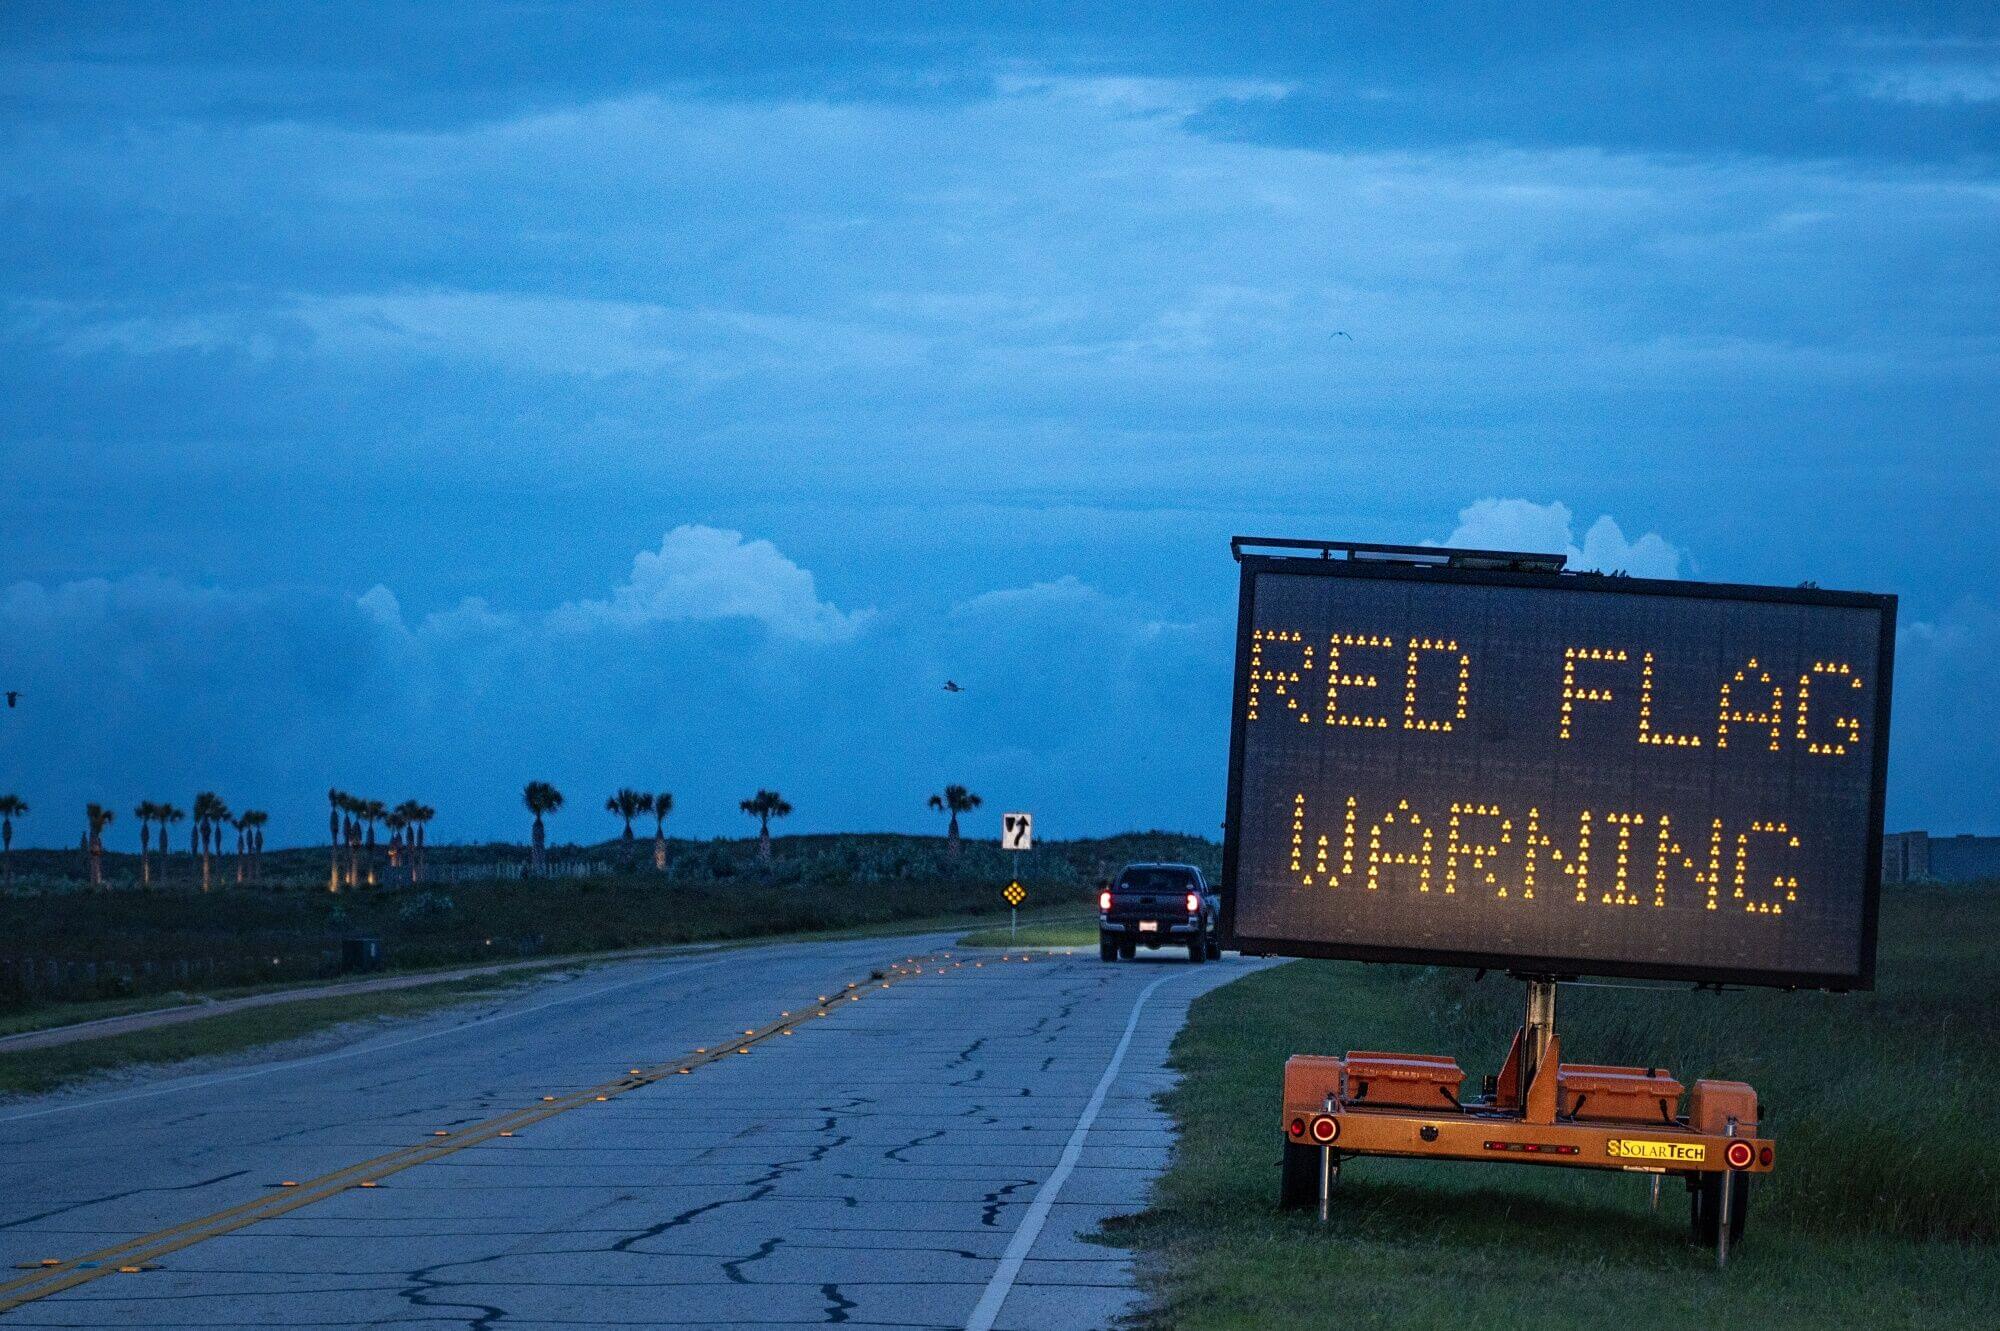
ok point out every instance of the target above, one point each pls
(1705, 1208)
(1298, 1180)
(1107, 948)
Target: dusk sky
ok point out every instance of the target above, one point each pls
(427, 399)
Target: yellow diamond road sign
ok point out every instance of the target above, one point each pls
(1015, 894)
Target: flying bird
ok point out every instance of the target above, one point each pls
(953, 686)
(1341, 333)
(13, 697)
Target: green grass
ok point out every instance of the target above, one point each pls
(1042, 933)
(712, 891)
(39, 1070)
(15, 1020)
(33, 1071)
(1881, 1213)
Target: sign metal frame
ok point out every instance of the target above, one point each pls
(1489, 570)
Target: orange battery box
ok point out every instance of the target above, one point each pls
(1406, 1081)
(1588, 1093)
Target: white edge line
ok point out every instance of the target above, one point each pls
(987, 1311)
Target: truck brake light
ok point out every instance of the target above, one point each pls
(1104, 900)
(1194, 903)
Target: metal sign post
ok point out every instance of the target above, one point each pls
(1017, 833)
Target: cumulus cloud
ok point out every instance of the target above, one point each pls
(1521, 524)
(708, 573)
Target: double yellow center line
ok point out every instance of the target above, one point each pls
(54, 1275)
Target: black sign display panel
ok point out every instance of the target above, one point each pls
(1557, 773)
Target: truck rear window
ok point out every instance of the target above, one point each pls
(1155, 880)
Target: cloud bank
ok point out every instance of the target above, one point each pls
(1520, 524)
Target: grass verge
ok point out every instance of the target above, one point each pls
(1881, 1212)
(1067, 931)
(34, 1071)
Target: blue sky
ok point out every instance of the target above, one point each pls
(426, 401)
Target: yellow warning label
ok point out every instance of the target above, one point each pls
(1681, 1153)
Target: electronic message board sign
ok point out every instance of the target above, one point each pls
(1557, 773)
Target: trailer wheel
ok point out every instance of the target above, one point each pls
(1298, 1182)
(1107, 948)
(1705, 1208)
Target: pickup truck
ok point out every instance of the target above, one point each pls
(1154, 905)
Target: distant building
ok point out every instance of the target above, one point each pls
(1917, 857)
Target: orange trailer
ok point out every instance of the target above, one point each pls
(1537, 1110)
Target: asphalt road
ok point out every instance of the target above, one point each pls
(924, 1154)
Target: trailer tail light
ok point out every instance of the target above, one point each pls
(1325, 1129)
(1532, 1148)
(1104, 901)
(1740, 1154)
(1194, 903)
(1764, 1156)
(1297, 1127)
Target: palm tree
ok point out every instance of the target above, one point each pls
(209, 815)
(395, 822)
(663, 804)
(99, 818)
(418, 815)
(11, 807)
(251, 825)
(370, 813)
(336, 800)
(956, 800)
(146, 812)
(764, 806)
(628, 804)
(167, 814)
(350, 829)
(541, 798)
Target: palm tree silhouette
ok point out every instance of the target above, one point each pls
(663, 804)
(209, 815)
(395, 822)
(251, 825)
(11, 807)
(146, 812)
(336, 800)
(99, 818)
(350, 834)
(628, 804)
(167, 814)
(541, 798)
(764, 806)
(418, 814)
(956, 800)
(371, 812)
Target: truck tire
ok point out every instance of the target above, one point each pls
(1198, 949)
(1107, 947)
(1214, 948)
(1705, 1208)
(1298, 1179)
(1127, 949)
